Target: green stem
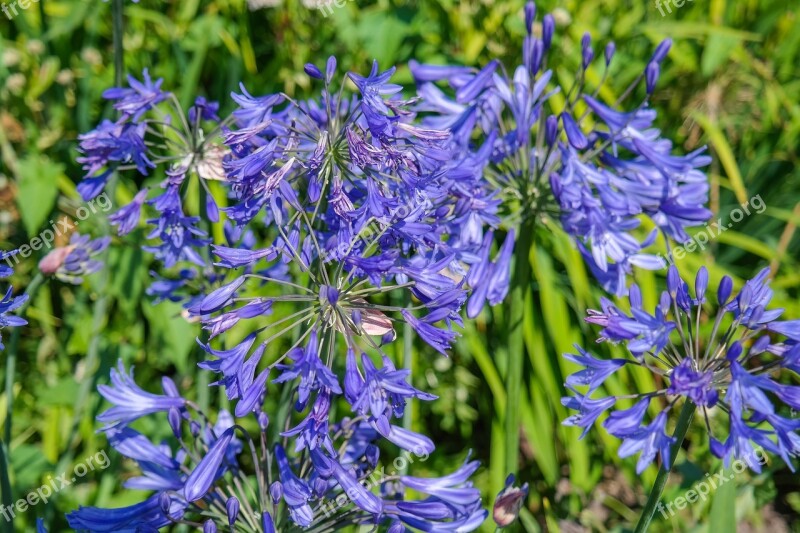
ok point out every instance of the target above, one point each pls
(520, 285)
(203, 378)
(119, 58)
(684, 420)
(408, 364)
(91, 364)
(11, 366)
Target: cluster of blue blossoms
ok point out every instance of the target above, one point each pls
(723, 374)
(600, 170)
(350, 216)
(363, 235)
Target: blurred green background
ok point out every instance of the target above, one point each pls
(731, 80)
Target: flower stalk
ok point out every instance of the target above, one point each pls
(520, 286)
(684, 420)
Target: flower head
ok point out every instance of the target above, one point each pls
(597, 169)
(722, 360)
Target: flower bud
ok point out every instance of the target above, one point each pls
(530, 16)
(276, 492)
(651, 76)
(232, 508)
(661, 51)
(313, 71)
(609, 53)
(551, 130)
(548, 29)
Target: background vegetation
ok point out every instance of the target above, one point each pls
(732, 81)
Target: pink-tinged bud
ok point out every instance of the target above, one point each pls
(508, 503)
(50, 264)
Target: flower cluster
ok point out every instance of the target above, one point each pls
(362, 234)
(722, 362)
(9, 303)
(151, 132)
(599, 169)
(346, 217)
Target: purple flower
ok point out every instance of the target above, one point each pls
(309, 368)
(731, 368)
(208, 469)
(145, 516)
(130, 401)
(599, 175)
(127, 218)
(140, 97)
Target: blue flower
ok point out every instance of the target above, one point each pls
(731, 368)
(208, 469)
(130, 401)
(127, 217)
(140, 97)
(355, 215)
(9, 304)
(309, 368)
(600, 172)
(145, 516)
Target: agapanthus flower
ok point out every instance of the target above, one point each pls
(182, 477)
(70, 263)
(722, 358)
(596, 168)
(362, 235)
(153, 133)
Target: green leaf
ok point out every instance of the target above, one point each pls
(38, 190)
(172, 334)
(723, 509)
(717, 50)
(725, 154)
(382, 37)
